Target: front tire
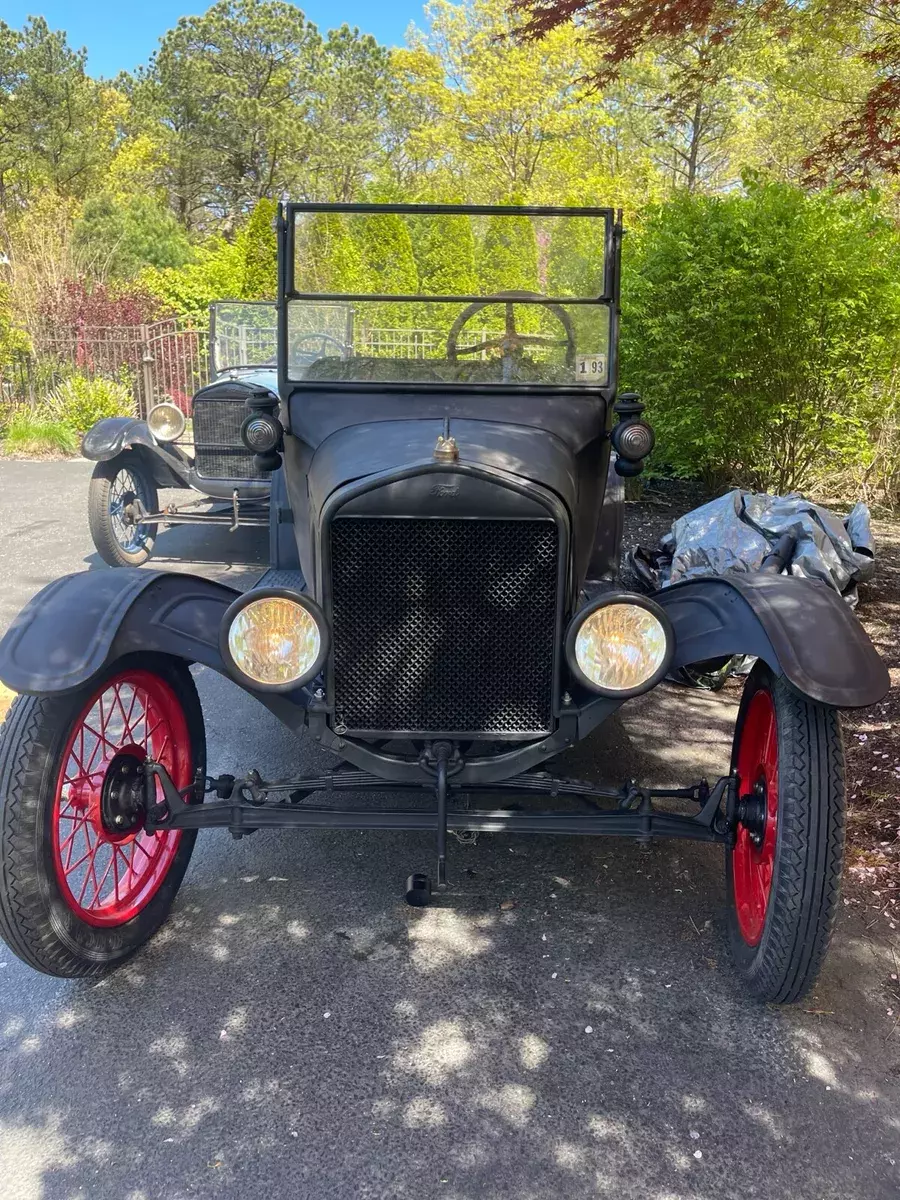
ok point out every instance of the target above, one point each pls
(82, 885)
(114, 487)
(783, 875)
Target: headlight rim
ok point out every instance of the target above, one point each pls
(605, 601)
(165, 404)
(303, 601)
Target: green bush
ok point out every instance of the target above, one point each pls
(761, 328)
(119, 238)
(261, 253)
(79, 402)
(34, 432)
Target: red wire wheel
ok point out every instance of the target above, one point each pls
(783, 870)
(753, 861)
(107, 866)
(82, 884)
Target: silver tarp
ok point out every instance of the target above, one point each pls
(736, 531)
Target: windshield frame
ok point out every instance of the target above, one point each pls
(215, 371)
(610, 218)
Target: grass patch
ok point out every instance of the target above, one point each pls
(34, 434)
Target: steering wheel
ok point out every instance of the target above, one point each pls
(320, 342)
(511, 343)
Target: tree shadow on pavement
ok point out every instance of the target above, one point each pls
(562, 1023)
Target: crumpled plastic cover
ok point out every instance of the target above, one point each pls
(736, 531)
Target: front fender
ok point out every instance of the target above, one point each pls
(113, 435)
(800, 627)
(77, 625)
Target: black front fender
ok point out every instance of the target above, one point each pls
(800, 627)
(114, 435)
(79, 624)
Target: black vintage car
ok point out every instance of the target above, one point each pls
(135, 458)
(442, 613)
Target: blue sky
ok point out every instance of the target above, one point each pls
(119, 36)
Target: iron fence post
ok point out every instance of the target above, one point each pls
(146, 401)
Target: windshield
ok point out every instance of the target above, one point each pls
(451, 296)
(242, 335)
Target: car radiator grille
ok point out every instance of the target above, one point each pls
(218, 450)
(443, 626)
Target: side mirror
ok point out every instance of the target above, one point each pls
(632, 438)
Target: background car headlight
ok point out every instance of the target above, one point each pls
(166, 421)
(621, 645)
(274, 640)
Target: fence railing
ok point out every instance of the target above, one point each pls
(169, 360)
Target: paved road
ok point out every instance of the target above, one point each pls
(297, 1031)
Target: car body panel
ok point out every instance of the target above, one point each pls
(78, 623)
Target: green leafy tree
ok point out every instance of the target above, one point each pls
(444, 247)
(57, 127)
(761, 328)
(347, 110)
(261, 253)
(390, 266)
(117, 238)
(508, 256)
(328, 257)
(217, 272)
(232, 90)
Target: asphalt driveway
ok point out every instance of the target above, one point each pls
(564, 1023)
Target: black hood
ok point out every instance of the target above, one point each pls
(532, 455)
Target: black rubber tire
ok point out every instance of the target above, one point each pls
(99, 521)
(35, 921)
(809, 847)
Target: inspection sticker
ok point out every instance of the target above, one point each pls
(590, 366)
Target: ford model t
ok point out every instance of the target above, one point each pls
(201, 451)
(442, 612)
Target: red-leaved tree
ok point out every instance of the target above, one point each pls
(863, 146)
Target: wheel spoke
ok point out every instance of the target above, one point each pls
(105, 875)
(137, 845)
(100, 738)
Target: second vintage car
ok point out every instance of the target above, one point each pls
(452, 493)
(201, 451)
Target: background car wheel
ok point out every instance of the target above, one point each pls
(82, 885)
(783, 875)
(114, 486)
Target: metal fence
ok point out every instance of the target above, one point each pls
(164, 360)
(169, 360)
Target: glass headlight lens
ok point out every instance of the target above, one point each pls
(275, 641)
(620, 646)
(165, 421)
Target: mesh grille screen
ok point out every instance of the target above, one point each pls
(218, 449)
(443, 626)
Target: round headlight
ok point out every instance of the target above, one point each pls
(620, 646)
(165, 421)
(274, 640)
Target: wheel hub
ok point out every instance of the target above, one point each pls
(120, 799)
(752, 813)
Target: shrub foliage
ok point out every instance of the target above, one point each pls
(761, 328)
